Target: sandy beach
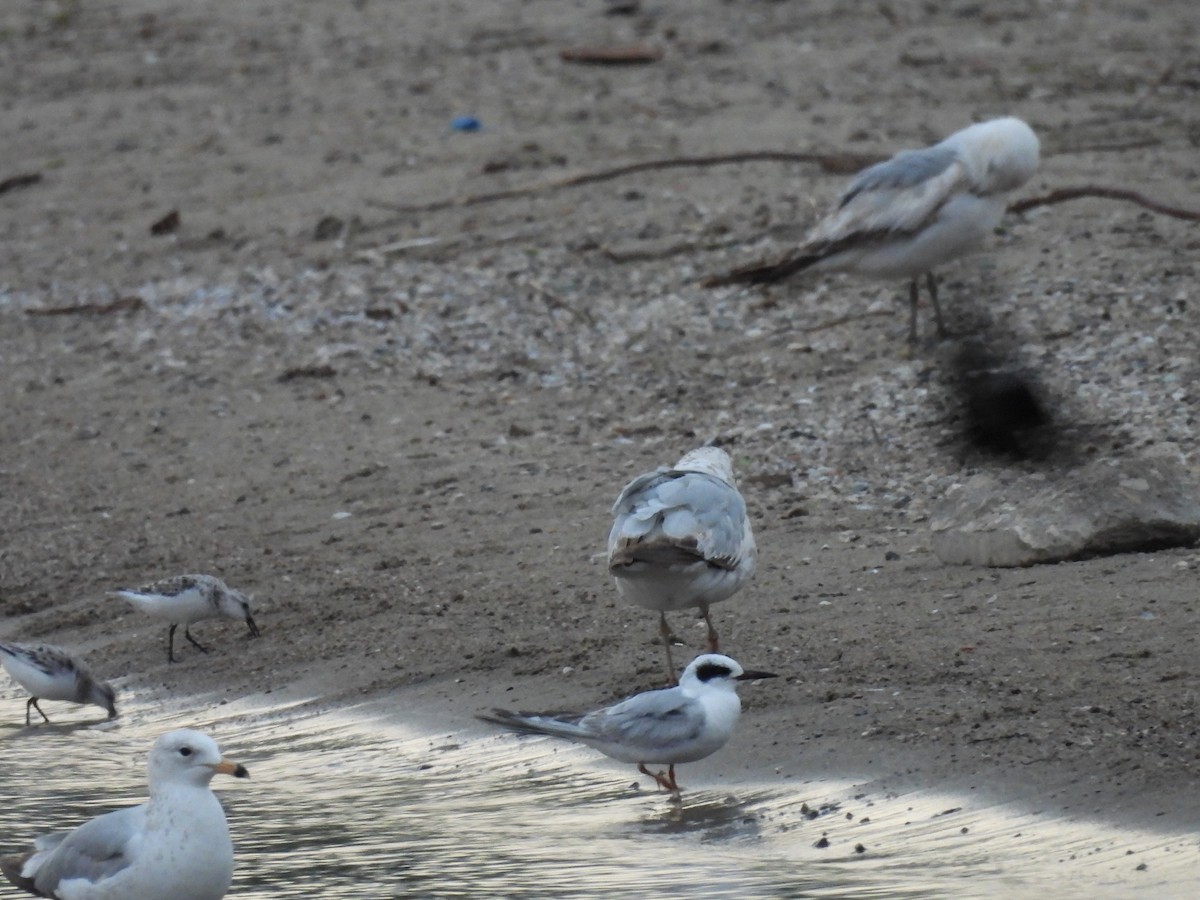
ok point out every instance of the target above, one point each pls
(396, 413)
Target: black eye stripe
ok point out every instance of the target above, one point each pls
(710, 670)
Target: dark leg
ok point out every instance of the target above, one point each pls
(171, 643)
(664, 631)
(33, 702)
(913, 299)
(191, 640)
(931, 285)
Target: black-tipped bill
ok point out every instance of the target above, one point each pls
(755, 676)
(254, 632)
(225, 767)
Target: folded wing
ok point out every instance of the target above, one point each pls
(654, 722)
(672, 517)
(898, 195)
(92, 853)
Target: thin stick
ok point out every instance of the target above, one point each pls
(20, 181)
(1137, 144)
(835, 163)
(556, 302)
(843, 320)
(1061, 195)
(121, 304)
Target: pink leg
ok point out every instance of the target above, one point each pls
(713, 641)
(666, 780)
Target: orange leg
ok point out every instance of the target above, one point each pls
(666, 780)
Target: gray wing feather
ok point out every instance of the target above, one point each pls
(904, 170)
(94, 851)
(896, 196)
(639, 729)
(655, 720)
(689, 509)
(635, 488)
(564, 725)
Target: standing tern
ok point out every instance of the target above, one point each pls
(665, 727)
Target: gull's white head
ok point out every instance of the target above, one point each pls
(1000, 154)
(712, 670)
(189, 757)
(709, 460)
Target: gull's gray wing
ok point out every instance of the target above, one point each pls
(647, 724)
(671, 516)
(906, 169)
(15, 867)
(897, 195)
(639, 487)
(96, 850)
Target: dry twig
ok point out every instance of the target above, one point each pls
(1061, 195)
(19, 181)
(121, 304)
(843, 320)
(634, 54)
(556, 302)
(834, 163)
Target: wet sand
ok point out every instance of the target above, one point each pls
(473, 384)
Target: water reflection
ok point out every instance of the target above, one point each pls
(348, 804)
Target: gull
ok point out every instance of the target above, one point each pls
(681, 538)
(51, 673)
(904, 217)
(186, 599)
(175, 845)
(665, 727)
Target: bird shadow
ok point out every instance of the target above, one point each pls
(723, 817)
(21, 730)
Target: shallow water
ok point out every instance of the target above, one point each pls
(352, 804)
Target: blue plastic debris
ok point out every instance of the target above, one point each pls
(465, 123)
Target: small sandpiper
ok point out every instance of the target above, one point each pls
(187, 599)
(51, 673)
